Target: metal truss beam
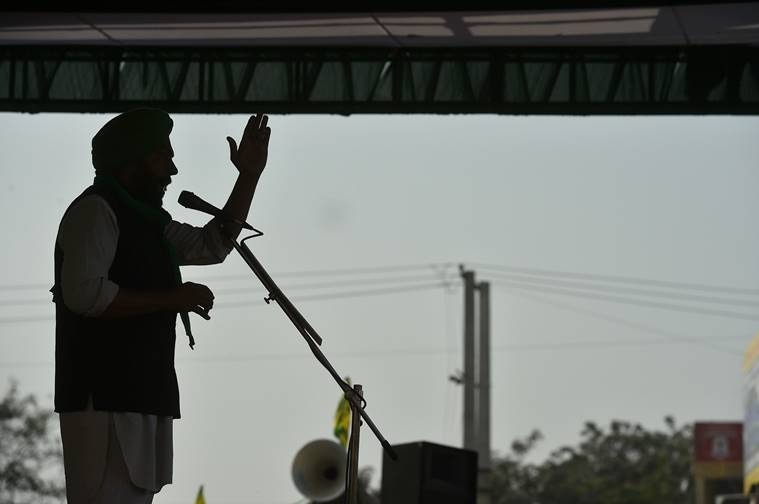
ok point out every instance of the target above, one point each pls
(330, 7)
(567, 81)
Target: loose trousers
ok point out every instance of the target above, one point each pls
(95, 471)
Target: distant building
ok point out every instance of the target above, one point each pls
(717, 460)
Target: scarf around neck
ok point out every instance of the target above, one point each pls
(156, 217)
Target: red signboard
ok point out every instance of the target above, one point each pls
(718, 442)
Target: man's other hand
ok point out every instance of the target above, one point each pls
(193, 297)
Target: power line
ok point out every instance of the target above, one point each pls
(435, 267)
(549, 345)
(419, 287)
(340, 295)
(635, 325)
(338, 283)
(629, 290)
(438, 266)
(631, 301)
(253, 288)
(235, 304)
(369, 281)
(442, 267)
(342, 271)
(621, 279)
(597, 344)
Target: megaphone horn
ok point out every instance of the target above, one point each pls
(319, 470)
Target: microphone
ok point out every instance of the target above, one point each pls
(189, 200)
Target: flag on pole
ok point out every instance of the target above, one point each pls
(343, 419)
(200, 499)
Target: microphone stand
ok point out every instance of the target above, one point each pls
(354, 395)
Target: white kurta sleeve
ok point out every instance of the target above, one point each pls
(198, 245)
(88, 236)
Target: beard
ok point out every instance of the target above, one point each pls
(151, 190)
(149, 182)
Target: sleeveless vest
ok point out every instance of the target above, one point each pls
(126, 364)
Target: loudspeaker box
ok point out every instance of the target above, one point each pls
(429, 473)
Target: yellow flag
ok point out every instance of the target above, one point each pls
(200, 499)
(343, 419)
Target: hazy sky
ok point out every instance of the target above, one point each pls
(658, 198)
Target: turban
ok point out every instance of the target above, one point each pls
(130, 136)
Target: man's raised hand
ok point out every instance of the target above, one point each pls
(250, 157)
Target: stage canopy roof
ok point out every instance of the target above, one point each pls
(532, 57)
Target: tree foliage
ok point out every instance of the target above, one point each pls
(622, 464)
(31, 459)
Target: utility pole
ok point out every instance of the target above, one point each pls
(484, 484)
(476, 378)
(469, 377)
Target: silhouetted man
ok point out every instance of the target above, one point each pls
(118, 292)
